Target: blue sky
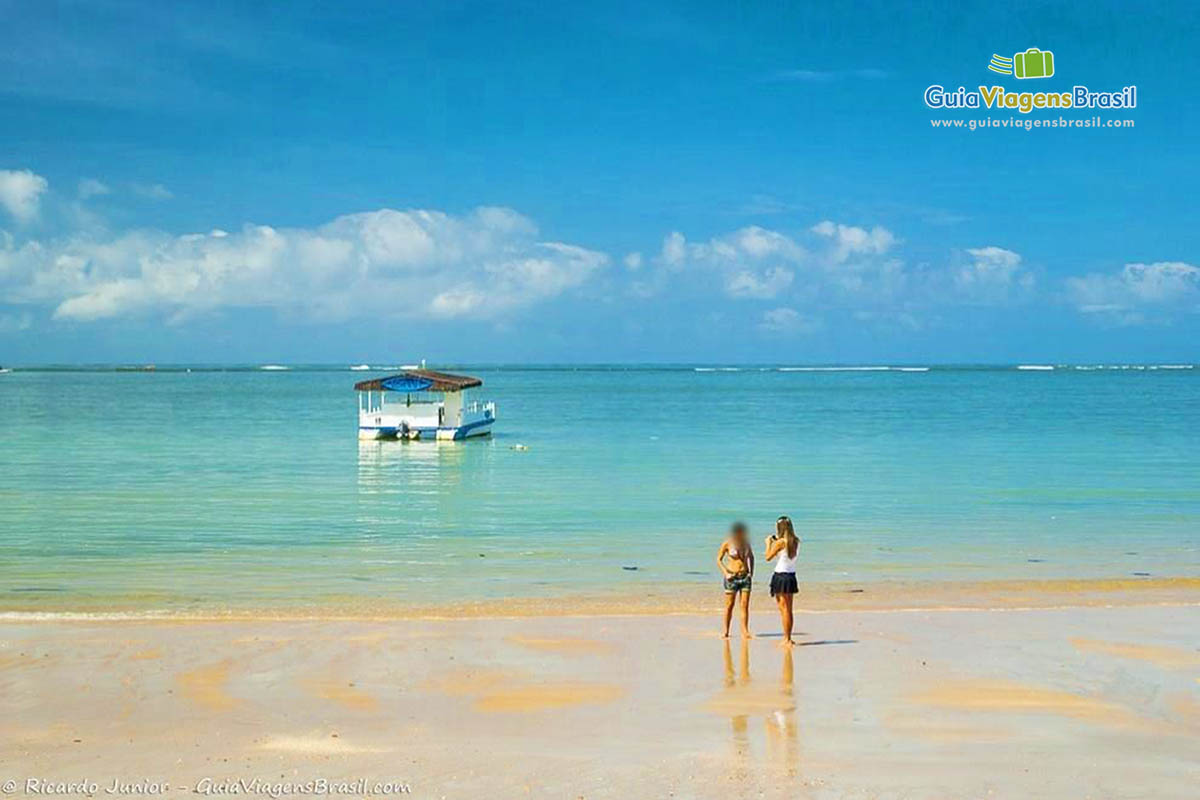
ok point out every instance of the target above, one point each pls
(588, 182)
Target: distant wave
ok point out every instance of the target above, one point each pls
(834, 369)
(1036, 367)
(854, 369)
(360, 367)
(716, 369)
(1175, 366)
(274, 367)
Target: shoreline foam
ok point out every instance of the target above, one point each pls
(684, 599)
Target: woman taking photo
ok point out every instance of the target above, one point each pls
(786, 545)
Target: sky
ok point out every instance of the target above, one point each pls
(568, 182)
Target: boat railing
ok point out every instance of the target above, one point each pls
(479, 406)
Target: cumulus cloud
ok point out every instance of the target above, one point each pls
(752, 262)
(403, 263)
(787, 321)
(1135, 291)
(152, 191)
(20, 193)
(764, 285)
(674, 249)
(633, 261)
(90, 187)
(849, 240)
(835, 266)
(993, 274)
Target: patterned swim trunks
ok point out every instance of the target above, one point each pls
(738, 583)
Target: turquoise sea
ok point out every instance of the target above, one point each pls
(239, 487)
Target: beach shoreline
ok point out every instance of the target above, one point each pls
(663, 599)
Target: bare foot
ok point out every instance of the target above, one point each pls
(747, 635)
(787, 643)
(725, 635)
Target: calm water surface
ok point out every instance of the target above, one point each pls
(249, 488)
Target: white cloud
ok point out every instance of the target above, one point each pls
(749, 262)
(768, 284)
(674, 249)
(90, 187)
(152, 191)
(633, 261)
(992, 275)
(1137, 289)
(849, 240)
(825, 75)
(787, 321)
(20, 193)
(401, 263)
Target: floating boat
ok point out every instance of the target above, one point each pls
(422, 404)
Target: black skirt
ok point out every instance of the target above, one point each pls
(784, 583)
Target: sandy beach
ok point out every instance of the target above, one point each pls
(1071, 695)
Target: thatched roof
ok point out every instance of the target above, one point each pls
(418, 380)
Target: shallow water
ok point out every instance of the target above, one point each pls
(247, 487)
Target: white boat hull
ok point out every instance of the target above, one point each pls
(438, 434)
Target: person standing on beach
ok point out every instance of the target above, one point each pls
(786, 545)
(736, 560)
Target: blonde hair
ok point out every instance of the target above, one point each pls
(783, 527)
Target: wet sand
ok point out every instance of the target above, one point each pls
(660, 598)
(1084, 701)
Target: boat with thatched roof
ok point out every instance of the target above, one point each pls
(422, 404)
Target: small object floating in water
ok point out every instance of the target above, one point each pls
(855, 591)
(1142, 574)
(629, 569)
(520, 447)
(1036, 560)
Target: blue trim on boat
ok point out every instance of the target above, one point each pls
(459, 432)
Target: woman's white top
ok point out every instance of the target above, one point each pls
(786, 563)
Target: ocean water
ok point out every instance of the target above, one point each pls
(246, 488)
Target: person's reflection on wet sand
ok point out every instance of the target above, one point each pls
(782, 734)
(739, 723)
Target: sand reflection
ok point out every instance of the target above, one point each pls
(774, 703)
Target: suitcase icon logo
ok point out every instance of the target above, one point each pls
(1033, 63)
